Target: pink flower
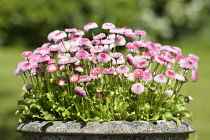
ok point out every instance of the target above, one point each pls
(71, 30)
(52, 68)
(64, 60)
(103, 58)
(131, 77)
(61, 82)
(126, 29)
(97, 49)
(64, 46)
(91, 57)
(146, 55)
(80, 91)
(130, 45)
(184, 63)
(108, 26)
(99, 36)
(137, 88)
(168, 57)
(153, 47)
(59, 35)
(160, 79)
(95, 71)
(116, 55)
(74, 78)
(159, 59)
(85, 43)
(52, 34)
(109, 71)
(36, 69)
(26, 54)
(120, 60)
(130, 59)
(43, 58)
(180, 77)
(78, 68)
(120, 40)
(122, 69)
(138, 73)
(130, 34)
(18, 71)
(82, 54)
(90, 25)
(170, 73)
(45, 51)
(141, 63)
(107, 41)
(116, 30)
(26, 66)
(194, 75)
(146, 77)
(84, 78)
(140, 32)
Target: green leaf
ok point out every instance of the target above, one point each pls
(167, 116)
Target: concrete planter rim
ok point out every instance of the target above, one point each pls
(104, 128)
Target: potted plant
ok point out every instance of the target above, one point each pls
(112, 86)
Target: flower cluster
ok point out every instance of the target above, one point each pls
(77, 78)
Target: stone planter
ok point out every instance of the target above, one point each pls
(113, 130)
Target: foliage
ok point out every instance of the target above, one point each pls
(22, 19)
(88, 80)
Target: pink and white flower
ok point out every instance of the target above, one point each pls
(36, 69)
(108, 26)
(141, 63)
(170, 73)
(90, 25)
(122, 69)
(130, 45)
(84, 78)
(109, 71)
(138, 73)
(95, 71)
(103, 58)
(180, 77)
(26, 66)
(137, 88)
(159, 59)
(140, 32)
(194, 75)
(99, 36)
(52, 68)
(61, 82)
(116, 30)
(80, 91)
(130, 34)
(74, 78)
(120, 41)
(26, 54)
(97, 49)
(146, 77)
(120, 60)
(160, 79)
(82, 54)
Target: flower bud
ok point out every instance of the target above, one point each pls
(27, 87)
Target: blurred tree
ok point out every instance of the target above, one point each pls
(30, 21)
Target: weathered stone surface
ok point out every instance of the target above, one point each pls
(114, 130)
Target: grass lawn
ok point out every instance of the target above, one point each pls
(10, 87)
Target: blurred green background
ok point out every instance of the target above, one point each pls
(24, 25)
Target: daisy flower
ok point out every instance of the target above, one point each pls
(122, 69)
(80, 91)
(137, 88)
(160, 79)
(74, 78)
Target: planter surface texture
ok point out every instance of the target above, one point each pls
(113, 130)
